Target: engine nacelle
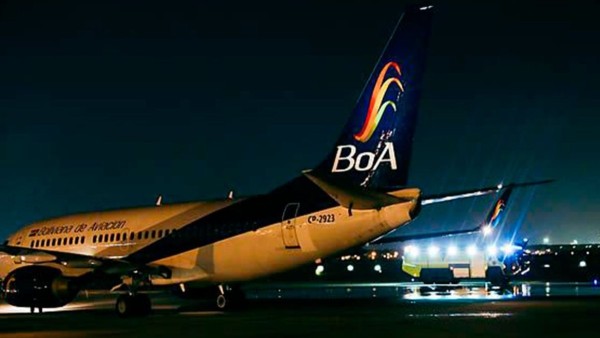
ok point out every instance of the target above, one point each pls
(39, 286)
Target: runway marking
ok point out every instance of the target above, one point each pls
(68, 334)
(202, 313)
(458, 315)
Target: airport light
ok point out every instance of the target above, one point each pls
(452, 251)
(487, 230)
(433, 251)
(546, 240)
(574, 242)
(492, 250)
(582, 264)
(508, 249)
(319, 270)
(412, 250)
(350, 267)
(377, 268)
(471, 250)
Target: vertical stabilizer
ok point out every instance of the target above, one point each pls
(374, 148)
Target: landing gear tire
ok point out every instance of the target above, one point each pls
(133, 305)
(222, 302)
(229, 299)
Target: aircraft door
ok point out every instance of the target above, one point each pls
(288, 226)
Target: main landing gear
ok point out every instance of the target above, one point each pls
(130, 305)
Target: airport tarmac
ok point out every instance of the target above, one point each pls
(93, 316)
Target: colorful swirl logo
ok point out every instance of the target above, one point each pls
(499, 207)
(376, 105)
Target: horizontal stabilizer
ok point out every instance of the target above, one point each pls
(358, 198)
(431, 199)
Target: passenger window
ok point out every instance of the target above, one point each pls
(160, 233)
(94, 239)
(105, 237)
(70, 240)
(118, 237)
(153, 235)
(53, 241)
(146, 234)
(59, 242)
(124, 236)
(132, 236)
(139, 235)
(82, 239)
(76, 240)
(112, 237)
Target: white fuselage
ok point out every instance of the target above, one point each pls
(267, 250)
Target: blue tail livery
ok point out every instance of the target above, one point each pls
(374, 148)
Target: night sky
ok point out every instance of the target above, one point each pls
(106, 104)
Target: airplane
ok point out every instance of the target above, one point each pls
(357, 194)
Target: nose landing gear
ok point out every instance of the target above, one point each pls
(229, 298)
(130, 305)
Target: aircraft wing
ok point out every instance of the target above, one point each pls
(493, 218)
(68, 260)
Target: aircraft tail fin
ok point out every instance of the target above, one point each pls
(374, 148)
(498, 211)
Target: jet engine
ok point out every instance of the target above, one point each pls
(39, 287)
